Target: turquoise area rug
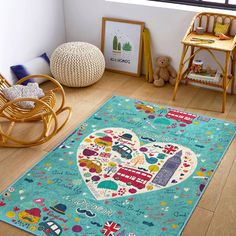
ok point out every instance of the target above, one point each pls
(132, 167)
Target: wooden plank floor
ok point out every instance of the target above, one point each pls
(215, 214)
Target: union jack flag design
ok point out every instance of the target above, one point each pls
(170, 149)
(110, 228)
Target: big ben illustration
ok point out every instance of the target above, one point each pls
(168, 169)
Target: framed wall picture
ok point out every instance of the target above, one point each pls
(122, 45)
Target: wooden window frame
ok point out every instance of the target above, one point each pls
(201, 3)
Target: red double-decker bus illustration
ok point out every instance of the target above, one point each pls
(181, 116)
(132, 177)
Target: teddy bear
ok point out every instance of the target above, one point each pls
(164, 72)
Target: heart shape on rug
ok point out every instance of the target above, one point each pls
(113, 163)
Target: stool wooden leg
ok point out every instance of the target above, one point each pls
(233, 71)
(190, 61)
(181, 66)
(225, 77)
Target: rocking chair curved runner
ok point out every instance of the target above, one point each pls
(45, 113)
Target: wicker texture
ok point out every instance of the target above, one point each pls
(77, 64)
(208, 21)
(45, 112)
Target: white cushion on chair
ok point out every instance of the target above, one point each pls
(31, 90)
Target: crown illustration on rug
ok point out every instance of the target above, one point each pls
(60, 208)
(126, 136)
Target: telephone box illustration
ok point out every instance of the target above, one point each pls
(168, 169)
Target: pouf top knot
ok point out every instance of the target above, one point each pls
(77, 64)
(76, 47)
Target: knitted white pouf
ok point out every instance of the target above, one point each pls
(77, 64)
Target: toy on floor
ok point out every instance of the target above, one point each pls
(164, 72)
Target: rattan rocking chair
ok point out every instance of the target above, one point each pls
(44, 114)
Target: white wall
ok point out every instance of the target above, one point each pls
(29, 28)
(167, 26)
